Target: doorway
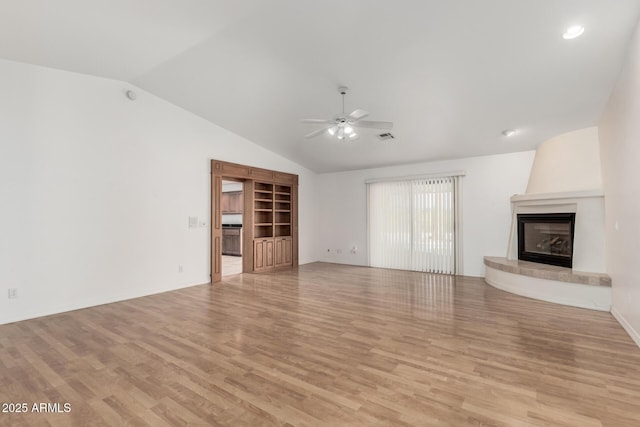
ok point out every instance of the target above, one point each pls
(232, 209)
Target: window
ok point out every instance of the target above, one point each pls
(413, 224)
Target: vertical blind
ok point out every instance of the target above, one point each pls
(412, 224)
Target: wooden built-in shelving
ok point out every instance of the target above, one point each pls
(270, 217)
(262, 210)
(272, 225)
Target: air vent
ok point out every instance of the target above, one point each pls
(386, 136)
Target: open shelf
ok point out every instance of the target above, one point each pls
(282, 230)
(260, 231)
(263, 186)
(272, 225)
(282, 217)
(263, 217)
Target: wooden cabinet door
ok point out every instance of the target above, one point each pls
(236, 202)
(263, 254)
(258, 254)
(282, 251)
(279, 254)
(231, 241)
(287, 251)
(268, 255)
(225, 203)
(226, 243)
(232, 202)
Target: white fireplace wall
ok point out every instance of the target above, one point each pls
(566, 163)
(588, 243)
(565, 178)
(619, 137)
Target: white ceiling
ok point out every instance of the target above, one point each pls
(451, 74)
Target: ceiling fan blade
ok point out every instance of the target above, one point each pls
(317, 132)
(321, 121)
(374, 125)
(358, 115)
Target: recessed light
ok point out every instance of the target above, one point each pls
(573, 32)
(509, 132)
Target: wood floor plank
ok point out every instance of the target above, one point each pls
(325, 345)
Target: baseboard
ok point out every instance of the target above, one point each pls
(88, 303)
(626, 326)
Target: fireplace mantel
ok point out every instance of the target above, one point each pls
(570, 195)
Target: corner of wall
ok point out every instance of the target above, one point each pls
(635, 335)
(619, 132)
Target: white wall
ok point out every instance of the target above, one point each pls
(96, 191)
(489, 183)
(567, 162)
(620, 154)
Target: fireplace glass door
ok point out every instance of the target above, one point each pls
(546, 238)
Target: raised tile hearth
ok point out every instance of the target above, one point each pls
(550, 283)
(548, 272)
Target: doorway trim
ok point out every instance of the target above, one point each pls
(221, 169)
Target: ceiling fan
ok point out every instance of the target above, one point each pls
(343, 126)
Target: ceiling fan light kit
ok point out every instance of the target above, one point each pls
(343, 126)
(573, 32)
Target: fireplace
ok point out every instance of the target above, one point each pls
(546, 238)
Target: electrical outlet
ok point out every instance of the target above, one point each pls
(13, 293)
(339, 251)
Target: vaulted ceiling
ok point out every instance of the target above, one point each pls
(450, 74)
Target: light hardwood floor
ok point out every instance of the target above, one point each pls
(325, 345)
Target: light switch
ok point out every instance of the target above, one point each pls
(193, 222)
